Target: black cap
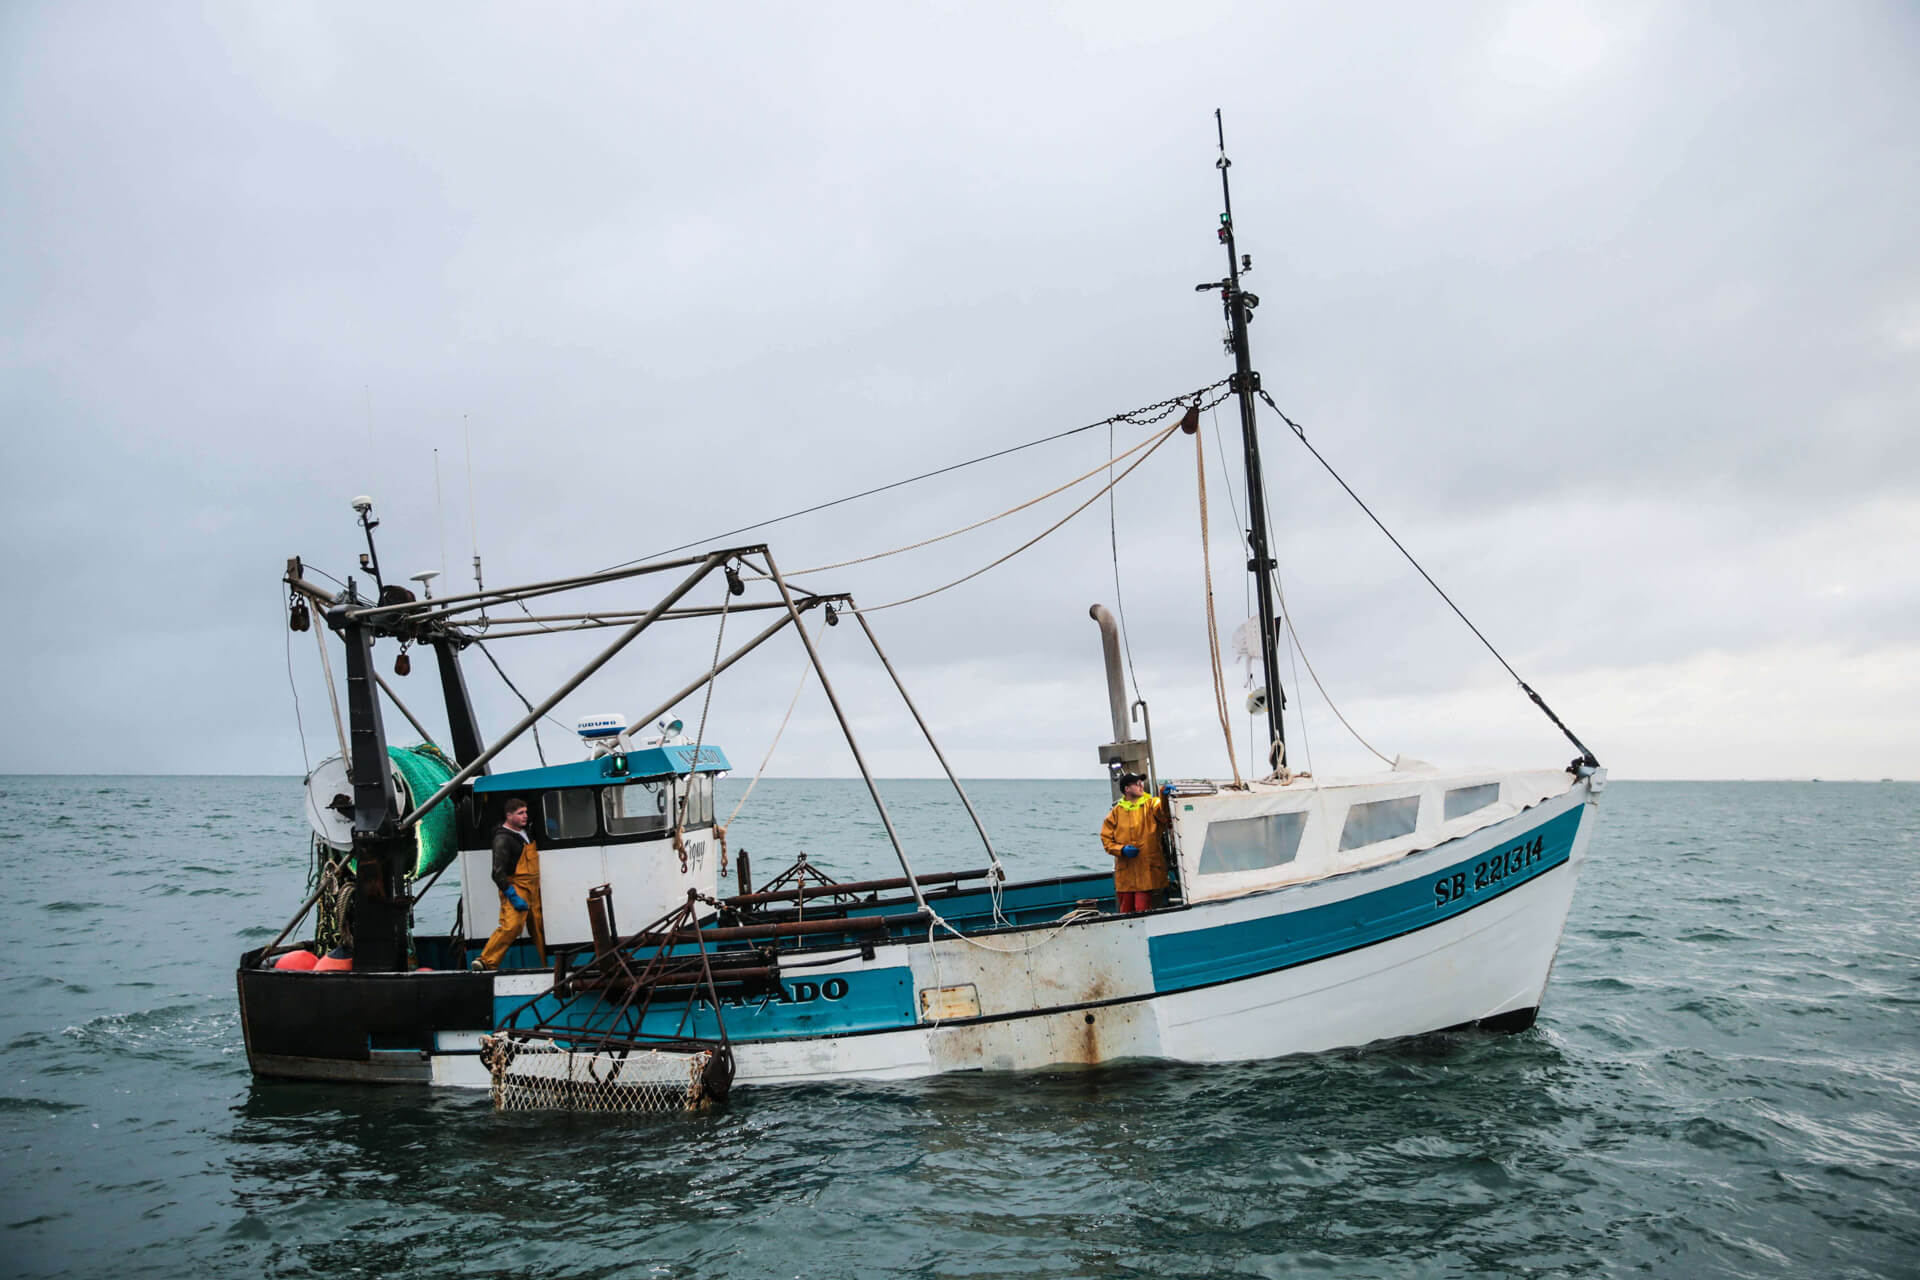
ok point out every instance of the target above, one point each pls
(1128, 779)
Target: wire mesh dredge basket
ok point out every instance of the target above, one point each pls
(543, 1075)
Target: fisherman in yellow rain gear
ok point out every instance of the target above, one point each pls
(516, 873)
(1132, 834)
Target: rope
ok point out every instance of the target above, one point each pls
(1586, 756)
(485, 653)
(1286, 616)
(1296, 654)
(1113, 544)
(720, 830)
(1213, 627)
(700, 737)
(314, 568)
(1246, 583)
(1106, 466)
(1155, 442)
(1072, 917)
(939, 921)
(333, 927)
(1145, 415)
(1296, 649)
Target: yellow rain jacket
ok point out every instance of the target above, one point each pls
(1136, 822)
(526, 882)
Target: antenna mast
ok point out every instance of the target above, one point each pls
(1239, 306)
(473, 518)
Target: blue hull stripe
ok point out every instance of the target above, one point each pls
(1226, 953)
(842, 1004)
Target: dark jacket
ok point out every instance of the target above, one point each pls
(508, 845)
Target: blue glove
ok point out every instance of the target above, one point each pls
(519, 903)
(1129, 850)
(1166, 792)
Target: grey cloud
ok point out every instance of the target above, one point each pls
(1613, 312)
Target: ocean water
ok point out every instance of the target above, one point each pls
(1724, 1081)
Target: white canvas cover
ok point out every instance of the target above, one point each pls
(1308, 821)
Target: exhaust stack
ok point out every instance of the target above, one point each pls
(1125, 754)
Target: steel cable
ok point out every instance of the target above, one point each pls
(1586, 756)
(1157, 441)
(1145, 415)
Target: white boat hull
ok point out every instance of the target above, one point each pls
(1099, 990)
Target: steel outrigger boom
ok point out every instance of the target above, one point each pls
(437, 622)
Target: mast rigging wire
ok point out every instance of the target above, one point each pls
(1145, 415)
(1113, 544)
(535, 726)
(1107, 466)
(1157, 441)
(1213, 627)
(1286, 616)
(1296, 648)
(1246, 583)
(806, 670)
(1296, 654)
(1586, 756)
(473, 517)
(700, 737)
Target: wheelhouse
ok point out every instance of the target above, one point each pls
(638, 820)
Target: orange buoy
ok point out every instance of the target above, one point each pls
(297, 960)
(333, 962)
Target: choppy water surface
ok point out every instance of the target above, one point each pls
(1725, 1081)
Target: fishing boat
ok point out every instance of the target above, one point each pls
(1303, 913)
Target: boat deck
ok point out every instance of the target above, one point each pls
(969, 909)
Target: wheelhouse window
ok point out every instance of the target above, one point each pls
(568, 814)
(1378, 820)
(699, 792)
(1462, 801)
(1248, 844)
(639, 808)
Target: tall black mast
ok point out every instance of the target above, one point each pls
(1239, 307)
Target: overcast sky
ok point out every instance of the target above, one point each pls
(1612, 311)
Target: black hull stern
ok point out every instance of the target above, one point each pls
(368, 1028)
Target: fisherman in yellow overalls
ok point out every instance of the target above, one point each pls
(516, 873)
(1131, 834)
